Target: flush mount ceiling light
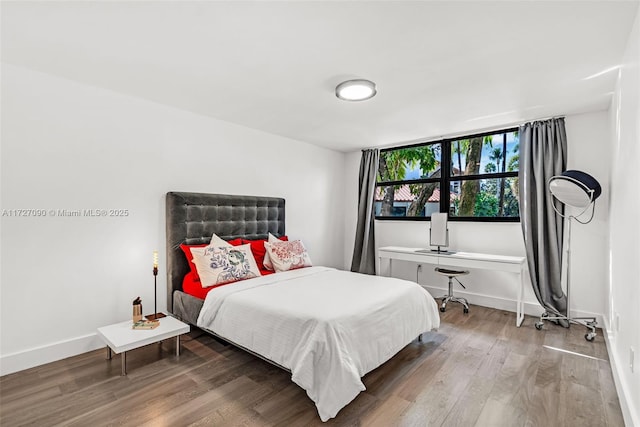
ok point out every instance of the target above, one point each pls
(356, 90)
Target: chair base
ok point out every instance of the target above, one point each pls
(450, 298)
(452, 274)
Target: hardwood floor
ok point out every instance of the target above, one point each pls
(476, 370)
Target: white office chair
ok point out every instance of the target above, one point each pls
(453, 274)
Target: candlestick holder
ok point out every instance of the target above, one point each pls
(155, 315)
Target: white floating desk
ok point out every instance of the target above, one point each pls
(512, 264)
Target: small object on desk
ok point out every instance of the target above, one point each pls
(429, 251)
(145, 324)
(137, 310)
(439, 232)
(155, 315)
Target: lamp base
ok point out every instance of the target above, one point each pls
(155, 316)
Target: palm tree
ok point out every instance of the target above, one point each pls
(496, 155)
(461, 145)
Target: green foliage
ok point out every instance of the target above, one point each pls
(460, 146)
(514, 161)
(415, 188)
(487, 201)
(490, 190)
(486, 205)
(511, 206)
(397, 162)
(394, 165)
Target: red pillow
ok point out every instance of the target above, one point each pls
(258, 250)
(187, 252)
(191, 285)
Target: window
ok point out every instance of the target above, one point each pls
(472, 178)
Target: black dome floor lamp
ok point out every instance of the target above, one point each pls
(578, 191)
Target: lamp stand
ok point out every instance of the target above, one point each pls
(553, 315)
(155, 315)
(570, 188)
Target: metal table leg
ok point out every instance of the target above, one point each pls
(109, 353)
(178, 345)
(123, 363)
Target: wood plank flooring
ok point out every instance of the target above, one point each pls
(476, 370)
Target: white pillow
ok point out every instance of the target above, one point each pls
(218, 242)
(267, 259)
(219, 265)
(288, 255)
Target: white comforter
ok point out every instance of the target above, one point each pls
(329, 327)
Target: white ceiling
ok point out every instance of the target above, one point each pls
(441, 67)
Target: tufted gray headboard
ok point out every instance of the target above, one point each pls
(193, 217)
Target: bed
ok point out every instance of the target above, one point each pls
(327, 327)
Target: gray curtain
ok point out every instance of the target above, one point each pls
(364, 251)
(543, 154)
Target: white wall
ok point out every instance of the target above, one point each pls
(588, 151)
(587, 135)
(624, 292)
(70, 146)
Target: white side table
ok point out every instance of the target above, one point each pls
(120, 338)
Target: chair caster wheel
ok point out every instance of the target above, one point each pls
(590, 336)
(442, 309)
(539, 325)
(465, 310)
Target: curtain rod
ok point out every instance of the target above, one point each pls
(463, 133)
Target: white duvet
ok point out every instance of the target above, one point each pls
(328, 327)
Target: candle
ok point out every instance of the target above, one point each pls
(155, 259)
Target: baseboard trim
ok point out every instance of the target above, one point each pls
(21, 360)
(629, 412)
(531, 308)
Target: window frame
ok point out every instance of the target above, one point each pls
(446, 179)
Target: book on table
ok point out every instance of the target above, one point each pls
(145, 324)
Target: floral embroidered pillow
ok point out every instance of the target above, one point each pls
(288, 255)
(220, 265)
(267, 259)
